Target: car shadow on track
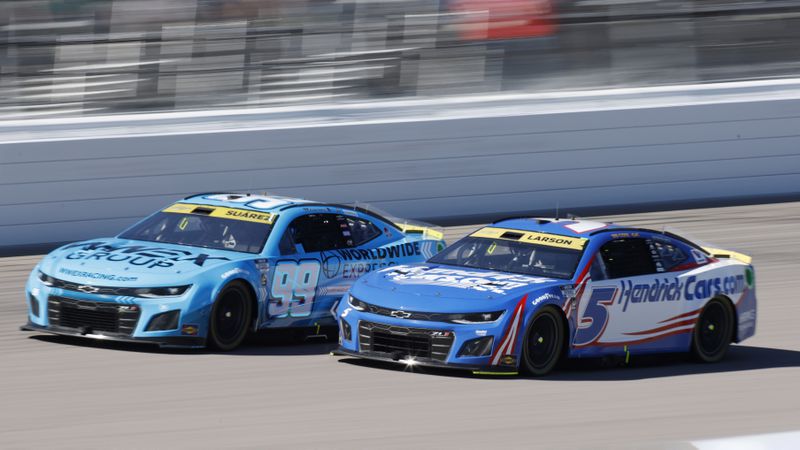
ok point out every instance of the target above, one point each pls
(739, 358)
(272, 342)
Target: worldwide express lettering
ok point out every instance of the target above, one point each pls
(674, 289)
(394, 251)
(137, 255)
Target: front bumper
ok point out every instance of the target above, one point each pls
(163, 342)
(427, 362)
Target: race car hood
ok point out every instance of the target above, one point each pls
(439, 288)
(122, 262)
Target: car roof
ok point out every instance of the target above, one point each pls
(564, 227)
(275, 204)
(271, 203)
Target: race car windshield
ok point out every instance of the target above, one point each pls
(510, 256)
(201, 231)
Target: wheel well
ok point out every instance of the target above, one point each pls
(727, 300)
(560, 313)
(253, 300)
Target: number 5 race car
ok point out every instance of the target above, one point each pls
(209, 268)
(523, 293)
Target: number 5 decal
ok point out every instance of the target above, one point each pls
(294, 286)
(595, 318)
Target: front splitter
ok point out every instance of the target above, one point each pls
(427, 362)
(163, 342)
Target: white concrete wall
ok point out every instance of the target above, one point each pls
(75, 185)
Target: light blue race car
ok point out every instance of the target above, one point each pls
(206, 270)
(524, 293)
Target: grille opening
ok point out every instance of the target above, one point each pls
(404, 341)
(96, 320)
(93, 316)
(34, 302)
(405, 345)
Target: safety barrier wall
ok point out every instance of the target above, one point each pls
(435, 168)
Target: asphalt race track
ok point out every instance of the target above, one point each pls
(57, 392)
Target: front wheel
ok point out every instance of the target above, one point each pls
(544, 343)
(230, 317)
(713, 332)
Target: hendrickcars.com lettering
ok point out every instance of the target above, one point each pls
(673, 289)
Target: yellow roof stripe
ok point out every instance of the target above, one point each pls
(533, 237)
(224, 213)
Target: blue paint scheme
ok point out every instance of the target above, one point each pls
(383, 290)
(155, 264)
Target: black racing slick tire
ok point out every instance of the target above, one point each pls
(714, 331)
(544, 343)
(230, 317)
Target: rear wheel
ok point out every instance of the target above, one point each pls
(713, 332)
(544, 343)
(230, 317)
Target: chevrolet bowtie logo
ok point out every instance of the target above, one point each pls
(401, 314)
(88, 289)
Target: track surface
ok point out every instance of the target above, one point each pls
(72, 393)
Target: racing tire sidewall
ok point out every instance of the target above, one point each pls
(726, 331)
(554, 353)
(235, 295)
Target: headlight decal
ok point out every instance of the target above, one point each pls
(142, 292)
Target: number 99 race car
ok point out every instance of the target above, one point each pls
(209, 268)
(521, 294)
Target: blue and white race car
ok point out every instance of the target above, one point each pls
(209, 268)
(523, 293)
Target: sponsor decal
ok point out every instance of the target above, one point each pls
(392, 251)
(495, 282)
(190, 330)
(137, 255)
(95, 275)
(353, 263)
(545, 296)
(673, 289)
(532, 237)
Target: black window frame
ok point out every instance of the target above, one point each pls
(611, 271)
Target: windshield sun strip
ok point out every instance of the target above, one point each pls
(532, 237)
(222, 212)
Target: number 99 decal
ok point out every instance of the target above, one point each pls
(294, 286)
(595, 317)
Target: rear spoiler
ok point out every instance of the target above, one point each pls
(720, 253)
(426, 232)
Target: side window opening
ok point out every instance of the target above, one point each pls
(319, 232)
(670, 255)
(361, 231)
(627, 258)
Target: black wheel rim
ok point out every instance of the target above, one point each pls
(542, 341)
(713, 328)
(229, 316)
